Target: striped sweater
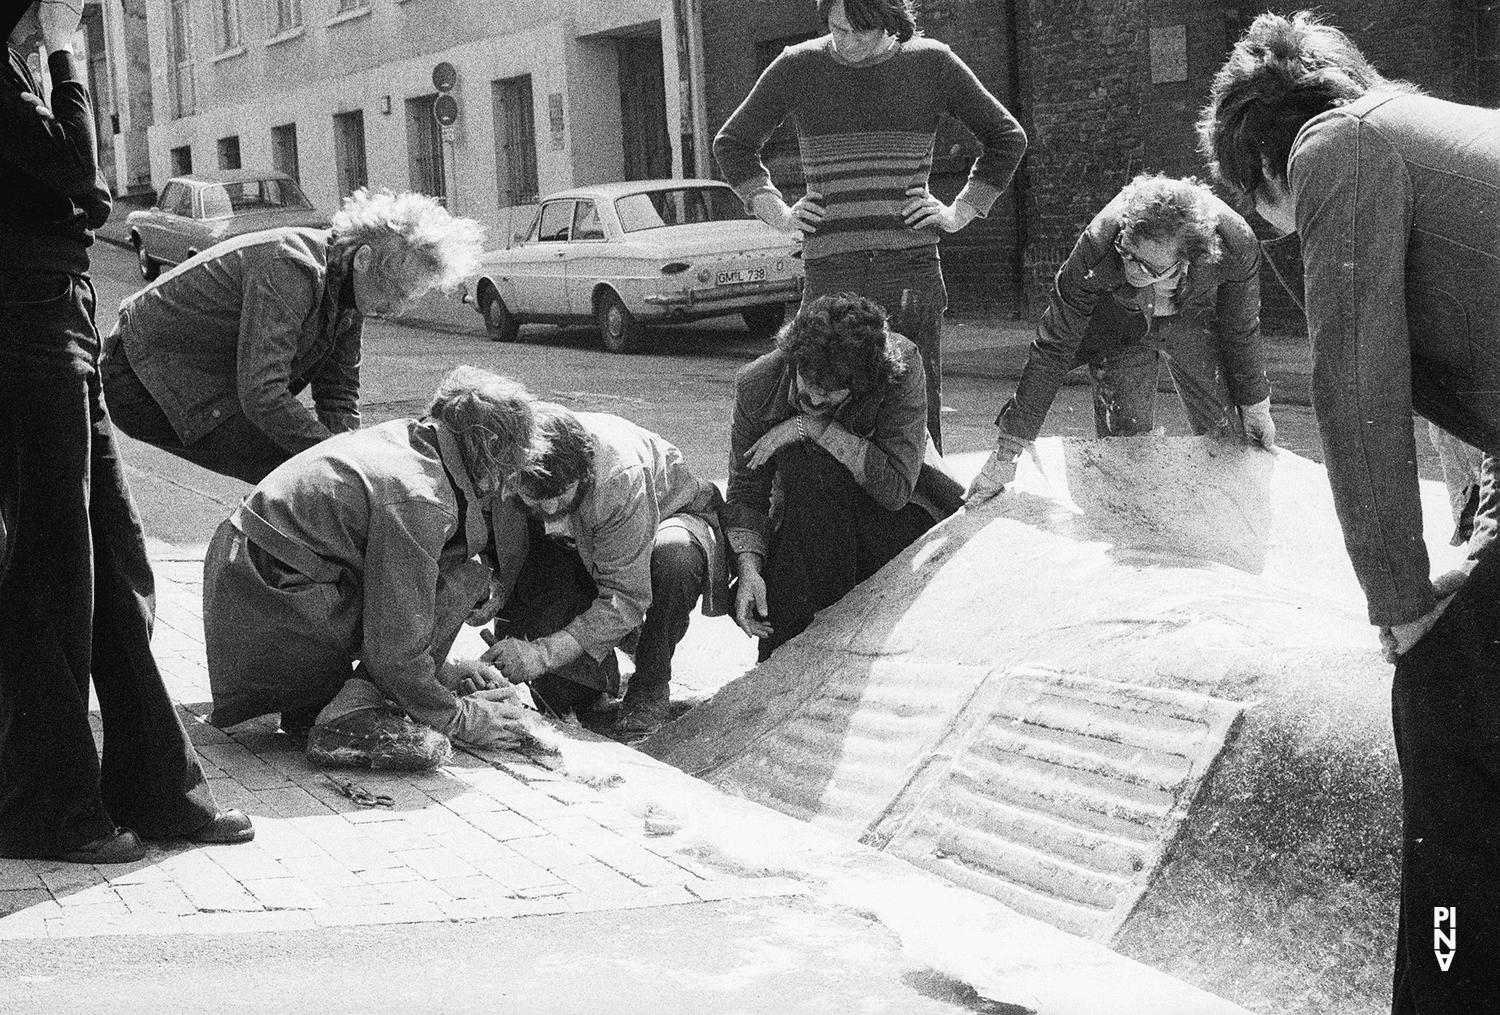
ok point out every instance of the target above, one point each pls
(866, 134)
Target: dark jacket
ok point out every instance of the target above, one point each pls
(51, 196)
(881, 436)
(1227, 292)
(245, 326)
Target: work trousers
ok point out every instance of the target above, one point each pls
(909, 285)
(1445, 706)
(554, 587)
(832, 536)
(1123, 361)
(78, 600)
(236, 447)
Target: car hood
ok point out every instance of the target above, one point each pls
(256, 221)
(712, 238)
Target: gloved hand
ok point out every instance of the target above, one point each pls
(1259, 427)
(487, 610)
(999, 469)
(491, 719)
(466, 676)
(523, 661)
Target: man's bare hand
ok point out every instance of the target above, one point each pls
(752, 611)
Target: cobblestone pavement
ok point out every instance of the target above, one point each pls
(493, 834)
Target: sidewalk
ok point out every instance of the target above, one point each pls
(593, 827)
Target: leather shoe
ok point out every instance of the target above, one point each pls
(227, 827)
(119, 846)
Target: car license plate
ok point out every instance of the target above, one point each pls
(740, 276)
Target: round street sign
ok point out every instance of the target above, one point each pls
(443, 76)
(445, 110)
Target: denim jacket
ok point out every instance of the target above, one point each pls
(1226, 291)
(1397, 201)
(244, 327)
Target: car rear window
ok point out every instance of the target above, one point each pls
(247, 196)
(653, 209)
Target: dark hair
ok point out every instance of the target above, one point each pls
(562, 454)
(842, 341)
(1282, 73)
(894, 17)
(490, 415)
(1157, 207)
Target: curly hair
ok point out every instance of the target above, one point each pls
(843, 341)
(894, 17)
(412, 236)
(1157, 207)
(1282, 73)
(562, 453)
(491, 416)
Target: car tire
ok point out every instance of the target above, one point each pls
(498, 320)
(765, 320)
(618, 328)
(149, 268)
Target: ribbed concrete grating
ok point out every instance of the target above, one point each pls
(1057, 794)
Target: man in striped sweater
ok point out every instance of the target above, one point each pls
(866, 101)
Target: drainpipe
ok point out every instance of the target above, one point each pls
(1015, 12)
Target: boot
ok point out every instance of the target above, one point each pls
(377, 738)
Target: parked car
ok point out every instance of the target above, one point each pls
(625, 255)
(192, 214)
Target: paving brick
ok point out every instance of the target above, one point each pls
(399, 836)
(469, 801)
(745, 888)
(209, 893)
(550, 851)
(547, 891)
(541, 907)
(505, 825)
(94, 895)
(474, 846)
(147, 871)
(282, 840)
(388, 875)
(354, 896)
(16, 876)
(361, 857)
(435, 863)
(475, 886)
(14, 900)
(161, 899)
(640, 898)
(246, 861)
(517, 873)
(280, 921)
(595, 878)
(438, 823)
(283, 893)
(413, 891)
(412, 912)
(230, 792)
(71, 878)
(321, 872)
(243, 766)
(479, 909)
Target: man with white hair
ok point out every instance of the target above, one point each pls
(208, 360)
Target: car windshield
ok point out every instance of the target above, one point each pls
(653, 209)
(248, 196)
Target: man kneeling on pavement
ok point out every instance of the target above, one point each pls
(836, 417)
(333, 594)
(623, 540)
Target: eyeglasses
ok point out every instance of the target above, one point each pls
(1143, 264)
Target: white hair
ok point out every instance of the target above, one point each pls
(410, 234)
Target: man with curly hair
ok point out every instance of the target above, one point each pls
(207, 361)
(1165, 269)
(623, 541)
(1395, 197)
(836, 417)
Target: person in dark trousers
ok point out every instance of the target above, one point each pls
(866, 101)
(208, 360)
(1166, 269)
(836, 416)
(76, 589)
(1395, 197)
(623, 542)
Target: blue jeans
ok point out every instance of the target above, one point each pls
(78, 600)
(909, 285)
(1124, 363)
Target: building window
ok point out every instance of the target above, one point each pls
(284, 151)
(180, 66)
(227, 23)
(182, 161)
(515, 141)
(352, 5)
(349, 151)
(424, 147)
(285, 15)
(229, 152)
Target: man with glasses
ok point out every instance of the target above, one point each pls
(208, 360)
(1166, 269)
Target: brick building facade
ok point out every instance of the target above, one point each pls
(1106, 89)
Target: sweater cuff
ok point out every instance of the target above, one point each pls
(979, 195)
(62, 66)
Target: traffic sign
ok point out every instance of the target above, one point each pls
(445, 110)
(444, 76)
